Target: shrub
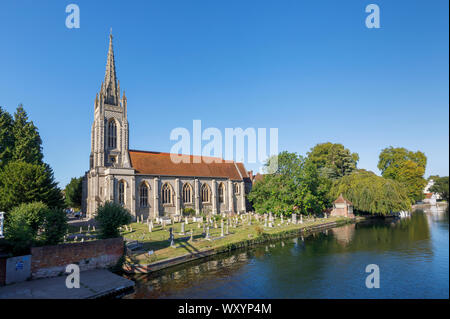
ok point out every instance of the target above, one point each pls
(188, 211)
(110, 217)
(54, 226)
(31, 213)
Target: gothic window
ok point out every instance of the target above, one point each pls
(112, 134)
(206, 193)
(166, 194)
(143, 195)
(236, 189)
(122, 192)
(187, 193)
(221, 193)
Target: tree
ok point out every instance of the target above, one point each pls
(73, 192)
(372, 194)
(22, 225)
(6, 137)
(22, 182)
(54, 226)
(110, 217)
(27, 142)
(441, 187)
(295, 183)
(406, 167)
(333, 160)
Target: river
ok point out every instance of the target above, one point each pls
(411, 253)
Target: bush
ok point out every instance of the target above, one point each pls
(54, 226)
(31, 213)
(188, 211)
(110, 217)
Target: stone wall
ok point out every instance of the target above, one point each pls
(50, 261)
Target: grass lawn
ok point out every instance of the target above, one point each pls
(158, 239)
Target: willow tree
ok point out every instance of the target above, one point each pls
(372, 194)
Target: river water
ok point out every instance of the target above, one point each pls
(411, 253)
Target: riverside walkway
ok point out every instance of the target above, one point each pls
(93, 284)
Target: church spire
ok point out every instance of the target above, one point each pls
(110, 90)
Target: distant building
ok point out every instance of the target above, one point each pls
(342, 207)
(430, 198)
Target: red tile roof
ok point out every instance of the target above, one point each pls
(157, 163)
(341, 199)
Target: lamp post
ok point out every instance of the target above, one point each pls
(2, 218)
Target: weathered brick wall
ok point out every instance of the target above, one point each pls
(50, 261)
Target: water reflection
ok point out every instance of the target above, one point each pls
(412, 254)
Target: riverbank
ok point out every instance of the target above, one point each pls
(244, 235)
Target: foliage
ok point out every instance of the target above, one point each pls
(54, 226)
(6, 137)
(110, 217)
(27, 142)
(22, 182)
(295, 182)
(188, 211)
(333, 160)
(406, 167)
(441, 187)
(73, 192)
(372, 194)
(32, 213)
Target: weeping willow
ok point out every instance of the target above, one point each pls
(372, 194)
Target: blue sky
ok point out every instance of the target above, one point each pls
(310, 68)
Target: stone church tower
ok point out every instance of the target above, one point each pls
(109, 139)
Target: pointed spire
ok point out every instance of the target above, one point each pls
(109, 88)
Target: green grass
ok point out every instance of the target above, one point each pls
(158, 239)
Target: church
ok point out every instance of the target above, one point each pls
(150, 184)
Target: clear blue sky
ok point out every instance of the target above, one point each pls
(310, 68)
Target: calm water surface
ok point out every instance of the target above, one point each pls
(412, 255)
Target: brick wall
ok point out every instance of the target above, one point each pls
(50, 261)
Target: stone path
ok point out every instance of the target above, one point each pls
(93, 284)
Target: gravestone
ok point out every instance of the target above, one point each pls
(207, 233)
(192, 235)
(294, 218)
(301, 219)
(150, 227)
(265, 220)
(182, 229)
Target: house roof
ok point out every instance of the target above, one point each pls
(158, 163)
(341, 199)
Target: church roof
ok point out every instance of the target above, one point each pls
(158, 163)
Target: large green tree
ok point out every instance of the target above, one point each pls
(73, 192)
(441, 187)
(295, 183)
(6, 137)
(333, 160)
(372, 194)
(27, 142)
(22, 182)
(406, 167)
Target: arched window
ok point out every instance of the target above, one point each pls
(166, 194)
(122, 192)
(206, 193)
(221, 193)
(112, 134)
(237, 189)
(143, 195)
(187, 193)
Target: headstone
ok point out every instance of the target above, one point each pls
(207, 233)
(89, 228)
(265, 220)
(270, 225)
(76, 238)
(81, 229)
(215, 224)
(150, 227)
(221, 228)
(142, 219)
(282, 220)
(270, 217)
(227, 232)
(294, 218)
(192, 235)
(182, 229)
(186, 220)
(82, 239)
(301, 219)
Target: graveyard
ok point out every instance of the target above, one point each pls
(163, 239)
